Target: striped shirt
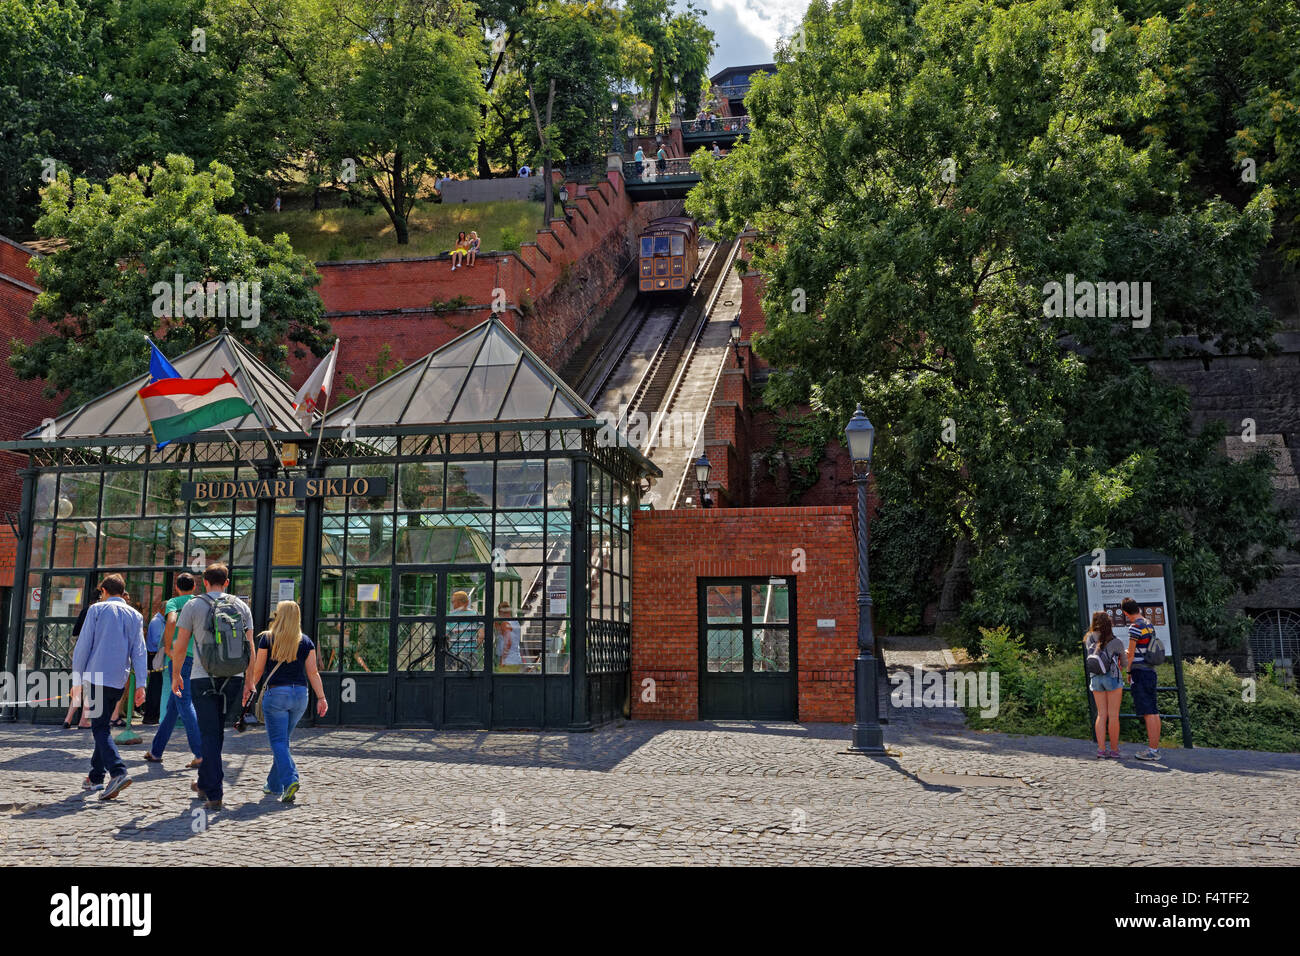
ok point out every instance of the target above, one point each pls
(1141, 632)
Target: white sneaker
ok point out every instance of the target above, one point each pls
(1147, 754)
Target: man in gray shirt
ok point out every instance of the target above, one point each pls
(209, 693)
(110, 645)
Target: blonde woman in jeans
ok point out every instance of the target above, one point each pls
(288, 657)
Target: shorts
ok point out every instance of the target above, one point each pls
(1144, 692)
(1104, 682)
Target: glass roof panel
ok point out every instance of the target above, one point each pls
(483, 393)
(530, 395)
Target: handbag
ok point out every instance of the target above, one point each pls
(257, 707)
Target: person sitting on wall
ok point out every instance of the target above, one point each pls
(460, 252)
(474, 243)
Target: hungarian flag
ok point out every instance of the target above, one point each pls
(315, 392)
(177, 407)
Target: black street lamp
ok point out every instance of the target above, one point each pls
(868, 738)
(702, 469)
(618, 140)
(735, 341)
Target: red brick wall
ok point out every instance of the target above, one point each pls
(672, 549)
(24, 407)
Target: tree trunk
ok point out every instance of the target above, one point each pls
(484, 170)
(549, 209)
(399, 210)
(955, 583)
(654, 94)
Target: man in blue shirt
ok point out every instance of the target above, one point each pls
(1142, 676)
(110, 646)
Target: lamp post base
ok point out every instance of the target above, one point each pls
(868, 737)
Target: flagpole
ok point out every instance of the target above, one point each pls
(329, 394)
(315, 455)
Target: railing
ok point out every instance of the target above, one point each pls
(717, 124)
(653, 129)
(677, 168)
(733, 91)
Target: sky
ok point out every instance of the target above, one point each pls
(747, 30)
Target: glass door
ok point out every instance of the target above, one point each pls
(747, 649)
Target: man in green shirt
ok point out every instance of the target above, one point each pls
(172, 703)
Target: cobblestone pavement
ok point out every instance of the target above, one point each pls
(659, 793)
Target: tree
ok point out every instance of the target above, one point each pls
(908, 188)
(566, 54)
(680, 46)
(410, 106)
(50, 115)
(100, 292)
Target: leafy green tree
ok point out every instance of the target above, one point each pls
(410, 105)
(122, 239)
(50, 113)
(918, 173)
(679, 44)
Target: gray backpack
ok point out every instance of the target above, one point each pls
(1154, 652)
(223, 650)
(1099, 661)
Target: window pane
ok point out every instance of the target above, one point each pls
(722, 602)
(74, 543)
(770, 603)
(163, 493)
(679, 245)
(771, 649)
(46, 503)
(42, 542)
(417, 594)
(647, 245)
(521, 484)
(419, 486)
(662, 245)
(122, 490)
(370, 539)
(327, 646)
(519, 535)
(469, 484)
(559, 482)
(507, 648)
(78, 495)
(465, 642)
(417, 643)
(725, 653)
(557, 645)
(366, 593)
(365, 646)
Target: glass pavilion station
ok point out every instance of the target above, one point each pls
(461, 501)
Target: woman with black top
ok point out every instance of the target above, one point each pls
(290, 655)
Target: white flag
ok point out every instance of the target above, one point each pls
(315, 392)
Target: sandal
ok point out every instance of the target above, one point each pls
(193, 764)
(120, 722)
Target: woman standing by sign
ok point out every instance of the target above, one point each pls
(1105, 665)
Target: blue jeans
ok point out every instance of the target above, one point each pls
(282, 707)
(171, 707)
(105, 756)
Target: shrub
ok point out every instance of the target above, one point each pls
(511, 241)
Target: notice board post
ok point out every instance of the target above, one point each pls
(1105, 577)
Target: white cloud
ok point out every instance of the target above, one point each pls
(746, 31)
